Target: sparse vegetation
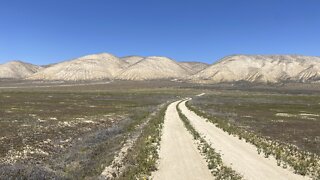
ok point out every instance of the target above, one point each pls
(142, 158)
(287, 116)
(304, 163)
(72, 131)
(220, 171)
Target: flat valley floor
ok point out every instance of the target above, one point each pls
(75, 130)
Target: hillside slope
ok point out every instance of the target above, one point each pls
(132, 59)
(154, 68)
(17, 70)
(263, 69)
(194, 67)
(90, 67)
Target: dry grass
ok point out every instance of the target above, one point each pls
(70, 132)
(289, 118)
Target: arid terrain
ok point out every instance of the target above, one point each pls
(287, 117)
(71, 130)
(234, 68)
(125, 130)
(159, 90)
(108, 117)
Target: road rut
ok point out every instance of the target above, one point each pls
(237, 154)
(179, 156)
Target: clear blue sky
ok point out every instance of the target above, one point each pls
(47, 31)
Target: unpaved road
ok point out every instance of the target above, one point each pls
(179, 156)
(237, 154)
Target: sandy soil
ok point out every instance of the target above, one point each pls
(237, 154)
(179, 156)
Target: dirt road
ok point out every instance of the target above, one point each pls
(179, 156)
(237, 154)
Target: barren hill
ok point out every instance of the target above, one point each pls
(249, 68)
(154, 68)
(17, 69)
(265, 69)
(194, 67)
(90, 67)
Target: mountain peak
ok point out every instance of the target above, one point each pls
(89, 67)
(98, 56)
(17, 69)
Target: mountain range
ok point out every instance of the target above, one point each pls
(249, 68)
(262, 69)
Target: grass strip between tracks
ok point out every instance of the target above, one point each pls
(215, 165)
(304, 163)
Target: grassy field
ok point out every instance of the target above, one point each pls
(65, 130)
(293, 118)
(73, 131)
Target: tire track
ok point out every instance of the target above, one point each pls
(179, 156)
(239, 155)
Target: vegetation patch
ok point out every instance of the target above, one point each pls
(70, 133)
(142, 158)
(220, 171)
(286, 117)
